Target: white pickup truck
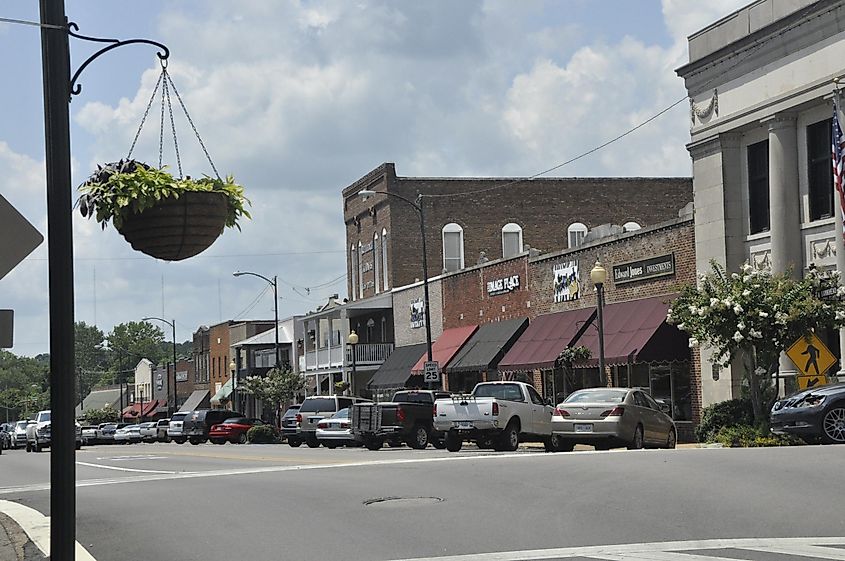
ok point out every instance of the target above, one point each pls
(39, 433)
(496, 415)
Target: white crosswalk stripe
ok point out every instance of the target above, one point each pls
(694, 550)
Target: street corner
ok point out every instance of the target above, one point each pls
(15, 545)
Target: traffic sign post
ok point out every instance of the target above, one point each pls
(432, 372)
(807, 382)
(811, 356)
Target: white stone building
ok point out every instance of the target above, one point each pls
(760, 81)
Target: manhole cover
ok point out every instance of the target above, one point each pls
(402, 501)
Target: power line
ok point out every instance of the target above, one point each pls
(33, 23)
(253, 303)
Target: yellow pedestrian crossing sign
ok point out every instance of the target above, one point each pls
(811, 356)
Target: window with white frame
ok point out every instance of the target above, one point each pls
(453, 247)
(376, 252)
(511, 240)
(384, 275)
(576, 233)
(630, 227)
(360, 272)
(353, 266)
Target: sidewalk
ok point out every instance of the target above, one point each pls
(14, 543)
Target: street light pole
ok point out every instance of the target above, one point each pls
(233, 369)
(172, 324)
(274, 282)
(352, 340)
(417, 206)
(599, 276)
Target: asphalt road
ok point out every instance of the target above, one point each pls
(165, 501)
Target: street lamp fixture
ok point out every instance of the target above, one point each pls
(170, 406)
(232, 368)
(599, 276)
(275, 284)
(352, 340)
(417, 206)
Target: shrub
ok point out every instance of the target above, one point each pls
(262, 434)
(747, 436)
(724, 414)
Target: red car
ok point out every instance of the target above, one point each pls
(234, 430)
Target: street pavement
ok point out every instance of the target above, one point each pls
(268, 502)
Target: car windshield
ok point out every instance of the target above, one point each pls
(44, 417)
(597, 396)
(342, 414)
(291, 412)
(237, 421)
(21, 424)
(178, 417)
(318, 404)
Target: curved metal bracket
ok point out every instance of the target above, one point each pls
(76, 89)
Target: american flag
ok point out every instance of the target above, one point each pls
(838, 154)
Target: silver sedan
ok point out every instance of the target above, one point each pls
(608, 417)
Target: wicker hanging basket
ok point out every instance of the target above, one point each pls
(176, 229)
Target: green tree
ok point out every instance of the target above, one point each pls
(24, 384)
(276, 387)
(749, 318)
(90, 355)
(105, 415)
(132, 341)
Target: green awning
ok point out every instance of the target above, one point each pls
(224, 392)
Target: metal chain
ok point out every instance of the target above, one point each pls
(161, 122)
(172, 124)
(185, 110)
(144, 118)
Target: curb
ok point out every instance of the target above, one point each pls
(15, 545)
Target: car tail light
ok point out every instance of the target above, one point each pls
(344, 425)
(215, 427)
(434, 410)
(495, 409)
(322, 425)
(615, 412)
(560, 412)
(299, 418)
(400, 414)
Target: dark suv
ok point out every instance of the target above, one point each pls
(197, 424)
(290, 428)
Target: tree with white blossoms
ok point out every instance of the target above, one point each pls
(277, 386)
(751, 317)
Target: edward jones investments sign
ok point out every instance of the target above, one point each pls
(644, 269)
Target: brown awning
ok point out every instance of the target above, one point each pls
(636, 331)
(546, 337)
(446, 346)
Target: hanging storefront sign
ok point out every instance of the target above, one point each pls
(159, 382)
(567, 287)
(502, 286)
(182, 376)
(417, 313)
(644, 269)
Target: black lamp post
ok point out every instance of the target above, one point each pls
(417, 206)
(233, 368)
(275, 284)
(599, 276)
(172, 324)
(352, 340)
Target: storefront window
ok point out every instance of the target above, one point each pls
(681, 391)
(580, 378)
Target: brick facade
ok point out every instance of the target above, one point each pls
(466, 300)
(218, 355)
(544, 208)
(402, 299)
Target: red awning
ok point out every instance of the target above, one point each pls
(636, 331)
(547, 335)
(449, 343)
(131, 412)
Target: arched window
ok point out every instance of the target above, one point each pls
(376, 252)
(511, 240)
(353, 266)
(576, 232)
(360, 272)
(384, 275)
(453, 247)
(630, 227)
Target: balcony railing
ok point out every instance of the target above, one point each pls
(365, 354)
(369, 353)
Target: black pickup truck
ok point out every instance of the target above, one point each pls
(407, 418)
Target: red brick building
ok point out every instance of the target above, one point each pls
(469, 220)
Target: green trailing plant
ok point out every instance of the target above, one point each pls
(120, 189)
(570, 355)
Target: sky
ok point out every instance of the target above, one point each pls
(297, 99)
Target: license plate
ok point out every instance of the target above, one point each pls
(583, 428)
(464, 424)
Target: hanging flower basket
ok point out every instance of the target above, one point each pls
(165, 217)
(161, 215)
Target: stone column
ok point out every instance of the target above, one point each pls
(784, 205)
